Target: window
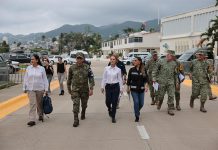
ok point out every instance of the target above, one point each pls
(135, 40)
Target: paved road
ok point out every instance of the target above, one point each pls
(187, 130)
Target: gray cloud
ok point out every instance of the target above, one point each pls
(28, 16)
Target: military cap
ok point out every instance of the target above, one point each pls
(79, 54)
(153, 52)
(171, 52)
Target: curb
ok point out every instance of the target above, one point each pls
(15, 103)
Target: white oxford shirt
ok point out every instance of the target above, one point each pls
(112, 75)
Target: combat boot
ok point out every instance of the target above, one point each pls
(159, 104)
(76, 120)
(202, 109)
(192, 102)
(177, 105)
(83, 114)
(153, 101)
(170, 112)
(212, 97)
(170, 109)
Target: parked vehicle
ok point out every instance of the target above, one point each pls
(189, 55)
(66, 60)
(144, 55)
(53, 59)
(21, 58)
(13, 66)
(73, 56)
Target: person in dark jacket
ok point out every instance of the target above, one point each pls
(49, 72)
(61, 71)
(137, 84)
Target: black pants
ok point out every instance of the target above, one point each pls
(112, 95)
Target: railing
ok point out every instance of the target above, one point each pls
(7, 79)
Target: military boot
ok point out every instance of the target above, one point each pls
(83, 114)
(76, 120)
(192, 102)
(202, 109)
(212, 97)
(170, 109)
(170, 112)
(177, 105)
(153, 101)
(159, 104)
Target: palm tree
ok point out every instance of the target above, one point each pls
(211, 35)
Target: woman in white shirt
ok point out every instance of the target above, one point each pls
(35, 84)
(112, 85)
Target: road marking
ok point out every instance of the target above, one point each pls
(143, 133)
(15, 103)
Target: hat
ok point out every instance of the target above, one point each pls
(171, 52)
(79, 54)
(153, 52)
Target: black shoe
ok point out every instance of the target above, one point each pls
(41, 118)
(83, 117)
(62, 92)
(31, 123)
(76, 124)
(113, 120)
(136, 119)
(110, 113)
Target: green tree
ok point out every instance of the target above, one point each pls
(43, 37)
(211, 35)
(54, 39)
(4, 47)
(128, 30)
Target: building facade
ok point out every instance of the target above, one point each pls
(136, 42)
(182, 32)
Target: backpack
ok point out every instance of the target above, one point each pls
(47, 105)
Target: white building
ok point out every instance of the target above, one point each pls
(137, 42)
(182, 32)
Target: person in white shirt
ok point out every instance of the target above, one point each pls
(35, 84)
(112, 85)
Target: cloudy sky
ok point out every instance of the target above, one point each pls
(30, 16)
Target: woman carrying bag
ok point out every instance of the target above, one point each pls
(35, 85)
(137, 85)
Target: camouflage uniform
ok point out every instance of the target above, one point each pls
(150, 65)
(180, 69)
(165, 74)
(199, 70)
(80, 80)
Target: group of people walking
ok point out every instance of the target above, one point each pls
(159, 76)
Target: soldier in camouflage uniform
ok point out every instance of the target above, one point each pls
(199, 75)
(165, 74)
(208, 64)
(180, 70)
(80, 85)
(150, 65)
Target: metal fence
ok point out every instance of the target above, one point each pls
(8, 79)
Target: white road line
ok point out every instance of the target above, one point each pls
(143, 133)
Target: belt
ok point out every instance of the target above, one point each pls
(111, 84)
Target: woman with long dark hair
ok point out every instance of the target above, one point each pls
(35, 84)
(137, 85)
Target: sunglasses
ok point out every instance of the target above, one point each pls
(79, 58)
